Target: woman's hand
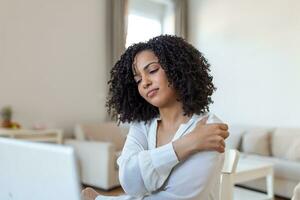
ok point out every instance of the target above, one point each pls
(89, 194)
(210, 136)
(205, 137)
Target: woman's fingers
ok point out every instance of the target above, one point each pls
(220, 147)
(217, 143)
(218, 139)
(223, 143)
(211, 136)
(221, 126)
(223, 134)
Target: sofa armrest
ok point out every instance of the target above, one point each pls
(96, 163)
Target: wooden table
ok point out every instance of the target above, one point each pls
(47, 135)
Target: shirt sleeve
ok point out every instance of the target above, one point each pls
(142, 171)
(196, 178)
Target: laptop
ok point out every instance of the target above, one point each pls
(37, 171)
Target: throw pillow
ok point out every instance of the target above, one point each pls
(235, 137)
(293, 152)
(282, 139)
(257, 141)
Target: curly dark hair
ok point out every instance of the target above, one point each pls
(186, 69)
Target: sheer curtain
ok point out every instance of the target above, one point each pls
(117, 17)
(181, 18)
(119, 21)
(119, 28)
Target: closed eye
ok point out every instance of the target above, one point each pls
(153, 71)
(138, 78)
(138, 81)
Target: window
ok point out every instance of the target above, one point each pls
(149, 18)
(141, 28)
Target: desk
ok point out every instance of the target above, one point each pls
(47, 135)
(250, 169)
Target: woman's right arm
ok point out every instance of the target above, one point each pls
(142, 171)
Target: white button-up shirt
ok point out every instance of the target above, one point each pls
(147, 172)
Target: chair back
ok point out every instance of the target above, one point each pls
(229, 168)
(296, 195)
(231, 161)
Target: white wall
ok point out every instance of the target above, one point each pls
(253, 47)
(53, 60)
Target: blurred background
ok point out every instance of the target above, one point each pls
(55, 56)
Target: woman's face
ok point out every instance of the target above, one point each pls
(151, 80)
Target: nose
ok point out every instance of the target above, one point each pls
(146, 82)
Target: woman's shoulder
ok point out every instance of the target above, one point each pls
(211, 117)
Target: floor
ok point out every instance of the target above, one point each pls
(113, 192)
(118, 191)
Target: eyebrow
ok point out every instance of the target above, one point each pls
(144, 68)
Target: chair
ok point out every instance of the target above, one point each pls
(97, 147)
(229, 168)
(296, 195)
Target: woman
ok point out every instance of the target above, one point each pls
(173, 148)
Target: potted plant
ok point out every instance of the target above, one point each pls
(6, 114)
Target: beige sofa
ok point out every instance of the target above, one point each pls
(97, 147)
(280, 146)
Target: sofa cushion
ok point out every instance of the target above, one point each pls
(257, 141)
(293, 152)
(282, 139)
(283, 169)
(235, 137)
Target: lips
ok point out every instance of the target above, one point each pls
(152, 92)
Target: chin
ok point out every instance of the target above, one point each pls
(157, 103)
(154, 104)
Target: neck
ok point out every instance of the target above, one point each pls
(173, 114)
